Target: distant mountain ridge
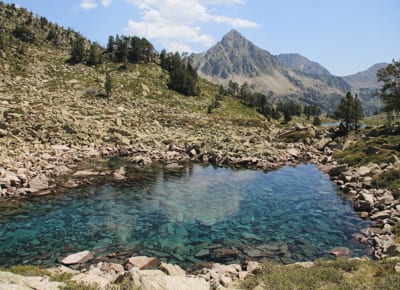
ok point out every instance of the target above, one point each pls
(365, 79)
(300, 63)
(291, 76)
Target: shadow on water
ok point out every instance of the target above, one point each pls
(198, 214)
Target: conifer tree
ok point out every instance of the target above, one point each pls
(108, 85)
(78, 51)
(357, 111)
(94, 57)
(390, 92)
(344, 110)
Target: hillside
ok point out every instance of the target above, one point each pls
(46, 101)
(365, 79)
(300, 63)
(289, 76)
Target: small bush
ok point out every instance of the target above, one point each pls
(295, 136)
(389, 179)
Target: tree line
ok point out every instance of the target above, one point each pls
(272, 110)
(132, 49)
(120, 49)
(182, 76)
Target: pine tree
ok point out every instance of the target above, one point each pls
(344, 110)
(78, 51)
(108, 85)
(94, 57)
(390, 92)
(357, 112)
(110, 44)
(317, 121)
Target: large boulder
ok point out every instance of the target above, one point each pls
(77, 258)
(172, 270)
(17, 282)
(8, 178)
(323, 143)
(365, 202)
(91, 280)
(364, 170)
(38, 183)
(173, 283)
(142, 262)
(338, 170)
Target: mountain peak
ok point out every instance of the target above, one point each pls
(233, 37)
(233, 34)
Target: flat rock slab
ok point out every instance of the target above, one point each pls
(86, 173)
(172, 270)
(17, 282)
(77, 258)
(173, 283)
(40, 182)
(143, 262)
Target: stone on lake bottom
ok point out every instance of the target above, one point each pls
(340, 252)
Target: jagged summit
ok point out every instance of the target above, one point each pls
(235, 37)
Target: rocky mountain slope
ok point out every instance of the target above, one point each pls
(287, 75)
(365, 79)
(300, 63)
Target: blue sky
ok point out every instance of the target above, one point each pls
(345, 36)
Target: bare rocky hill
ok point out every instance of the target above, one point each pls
(366, 79)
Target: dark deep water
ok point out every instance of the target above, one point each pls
(291, 214)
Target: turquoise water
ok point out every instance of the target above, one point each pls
(291, 214)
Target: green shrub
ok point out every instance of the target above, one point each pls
(389, 179)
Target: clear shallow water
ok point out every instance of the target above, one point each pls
(292, 214)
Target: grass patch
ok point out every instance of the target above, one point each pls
(389, 179)
(356, 154)
(327, 274)
(79, 286)
(28, 270)
(295, 136)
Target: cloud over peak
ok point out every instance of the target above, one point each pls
(88, 4)
(92, 4)
(176, 24)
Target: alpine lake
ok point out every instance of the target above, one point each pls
(198, 214)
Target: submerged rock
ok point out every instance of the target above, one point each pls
(340, 252)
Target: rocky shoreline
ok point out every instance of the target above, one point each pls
(40, 174)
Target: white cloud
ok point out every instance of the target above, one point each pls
(106, 3)
(176, 23)
(88, 4)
